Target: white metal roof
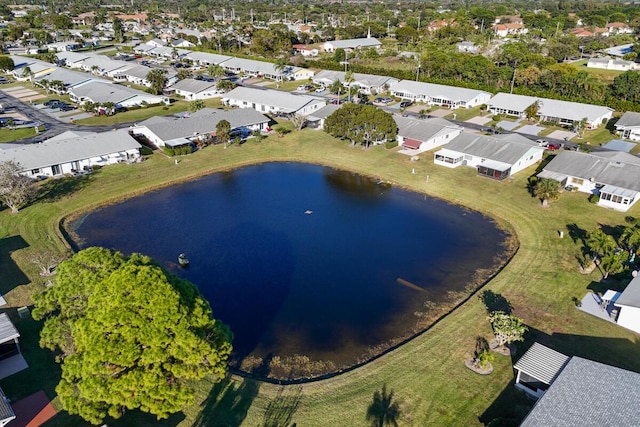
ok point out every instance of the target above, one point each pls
(542, 363)
(8, 332)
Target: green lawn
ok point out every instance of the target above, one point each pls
(136, 115)
(427, 375)
(602, 74)
(8, 135)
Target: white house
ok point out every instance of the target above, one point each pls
(305, 50)
(629, 306)
(564, 113)
(192, 89)
(608, 63)
(416, 136)
(204, 58)
(628, 126)
(188, 128)
(317, 118)
(613, 176)
(273, 101)
(73, 152)
(120, 96)
(351, 44)
(496, 157)
(370, 84)
(434, 94)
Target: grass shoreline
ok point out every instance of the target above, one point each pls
(427, 374)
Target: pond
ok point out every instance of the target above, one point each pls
(314, 269)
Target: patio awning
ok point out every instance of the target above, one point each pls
(611, 295)
(411, 143)
(617, 191)
(560, 177)
(449, 153)
(495, 165)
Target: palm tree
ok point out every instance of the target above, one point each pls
(600, 243)
(383, 411)
(547, 189)
(280, 66)
(215, 70)
(348, 79)
(27, 71)
(614, 262)
(631, 237)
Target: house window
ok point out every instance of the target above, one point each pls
(577, 181)
(35, 171)
(55, 170)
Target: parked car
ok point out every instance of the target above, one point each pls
(52, 103)
(66, 107)
(405, 104)
(553, 147)
(542, 142)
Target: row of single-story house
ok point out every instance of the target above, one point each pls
(563, 113)
(370, 84)
(628, 126)
(73, 152)
(189, 128)
(249, 67)
(440, 95)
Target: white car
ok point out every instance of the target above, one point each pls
(542, 142)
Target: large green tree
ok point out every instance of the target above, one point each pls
(129, 335)
(223, 131)
(361, 124)
(6, 63)
(15, 190)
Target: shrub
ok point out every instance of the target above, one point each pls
(391, 144)
(594, 198)
(497, 118)
(145, 151)
(169, 151)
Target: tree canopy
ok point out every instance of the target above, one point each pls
(361, 124)
(15, 190)
(507, 327)
(223, 131)
(158, 80)
(129, 335)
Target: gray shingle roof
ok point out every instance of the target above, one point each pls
(542, 363)
(505, 151)
(194, 86)
(109, 92)
(8, 332)
(209, 58)
(57, 151)
(629, 119)
(6, 412)
(287, 102)
(588, 394)
(202, 122)
(630, 297)
(323, 112)
(423, 130)
(618, 169)
(437, 91)
(549, 107)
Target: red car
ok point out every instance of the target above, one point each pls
(553, 147)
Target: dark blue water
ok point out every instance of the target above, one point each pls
(324, 284)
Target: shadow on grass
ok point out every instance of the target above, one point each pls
(54, 189)
(280, 410)
(383, 410)
(11, 275)
(227, 403)
(495, 302)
